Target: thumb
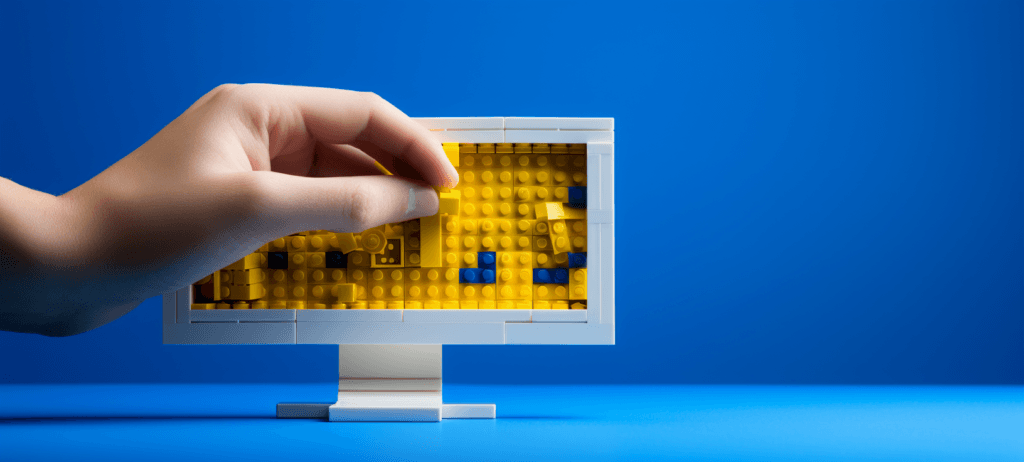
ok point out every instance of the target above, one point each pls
(343, 204)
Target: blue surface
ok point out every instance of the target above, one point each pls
(807, 191)
(236, 422)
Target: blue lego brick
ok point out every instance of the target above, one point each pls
(578, 197)
(277, 260)
(340, 260)
(561, 276)
(487, 260)
(476, 276)
(541, 276)
(577, 260)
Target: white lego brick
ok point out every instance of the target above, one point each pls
(466, 315)
(559, 123)
(183, 304)
(169, 307)
(595, 182)
(349, 316)
(600, 149)
(242, 315)
(559, 333)
(343, 333)
(303, 410)
(558, 136)
(390, 361)
(607, 189)
(470, 136)
(468, 411)
(563, 315)
(461, 123)
(399, 384)
(386, 407)
(595, 272)
(607, 282)
(245, 333)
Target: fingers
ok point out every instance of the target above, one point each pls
(345, 204)
(333, 116)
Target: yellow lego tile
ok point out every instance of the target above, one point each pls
(244, 292)
(577, 283)
(392, 255)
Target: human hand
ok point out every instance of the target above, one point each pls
(242, 166)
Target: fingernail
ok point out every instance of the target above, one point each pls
(453, 177)
(422, 202)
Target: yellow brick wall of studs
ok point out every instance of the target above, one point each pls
(512, 200)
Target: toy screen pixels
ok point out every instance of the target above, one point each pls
(511, 235)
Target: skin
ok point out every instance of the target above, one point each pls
(244, 165)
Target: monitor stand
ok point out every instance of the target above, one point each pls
(387, 383)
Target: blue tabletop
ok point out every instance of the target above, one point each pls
(182, 422)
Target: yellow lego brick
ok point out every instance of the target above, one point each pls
(316, 259)
(478, 292)
(297, 260)
(559, 236)
(469, 305)
(434, 305)
(357, 305)
(296, 304)
(577, 148)
(218, 280)
(338, 306)
(253, 260)
(346, 242)
(577, 283)
(430, 241)
(522, 148)
(542, 243)
(373, 240)
(244, 292)
(452, 151)
(223, 306)
(394, 230)
(450, 202)
(320, 293)
(484, 148)
(541, 148)
(451, 224)
(523, 211)
(412, 259)
(514, 276)
(312, 305)
(392, 256)
(297, 244)
(503, 148)
(467, 148)
(541, 305)
(577, 227)
(550, 292)
(358, 277)
(559, 305)
(579, 244)
(560, 148)
(319, 242)
(260, 305)
(278, 245)
(386, 284)
(431, 283)
(359, 259)
(249, 276)
(377, 305)
(298, 291)
(278, 304)
(557, 211)
(532, 194)
(413, 305)
(203, 306)
(264, 248)
(451, 305)
(240, 306)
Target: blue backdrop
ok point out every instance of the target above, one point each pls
(808, 192)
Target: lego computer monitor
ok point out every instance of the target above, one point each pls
(520, 252)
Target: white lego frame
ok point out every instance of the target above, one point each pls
(593, 326)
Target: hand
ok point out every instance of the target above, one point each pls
(244, 165)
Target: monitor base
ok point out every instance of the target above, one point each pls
(387, 383)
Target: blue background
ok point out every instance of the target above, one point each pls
(808, 192)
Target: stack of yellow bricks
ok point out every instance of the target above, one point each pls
(511, 206)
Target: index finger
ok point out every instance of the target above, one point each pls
(335, 116)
